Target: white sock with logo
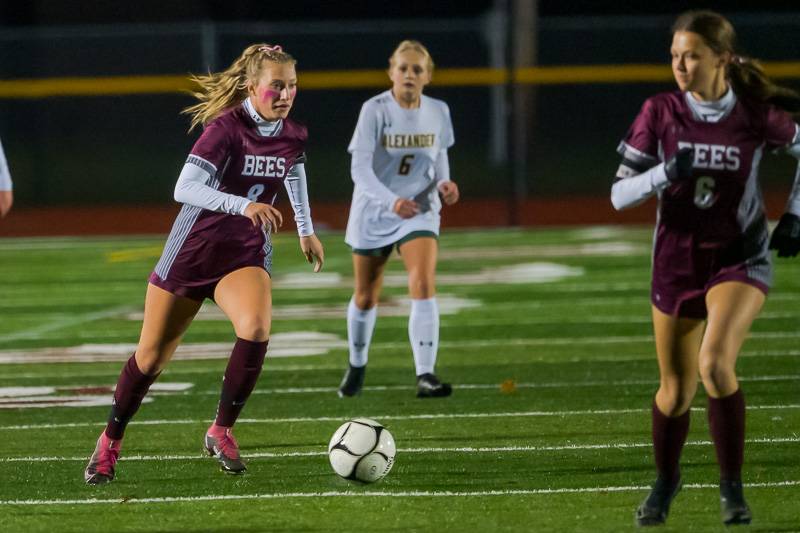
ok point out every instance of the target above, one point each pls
(423, 332)
(360, 324)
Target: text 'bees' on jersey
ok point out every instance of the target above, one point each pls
(721, 201)
(245, 156)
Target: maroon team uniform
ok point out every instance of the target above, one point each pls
(204, 245)
(712, 227)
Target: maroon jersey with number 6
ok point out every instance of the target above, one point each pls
(711, 227)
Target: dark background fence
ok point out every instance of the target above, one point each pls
(110, 150)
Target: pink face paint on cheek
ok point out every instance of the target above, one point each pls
(293, 92)
(269, 95)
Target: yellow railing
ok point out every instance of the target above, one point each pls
(364, 79)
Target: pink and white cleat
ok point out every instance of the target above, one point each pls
(101, 465)
(219, 443)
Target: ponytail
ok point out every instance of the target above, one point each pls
(746, 75)
(748, 80)
(222, 90)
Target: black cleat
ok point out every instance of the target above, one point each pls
(353, 381)
(429, 386)
(654, 509)
(731, 501)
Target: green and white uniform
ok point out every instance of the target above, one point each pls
(397, 153)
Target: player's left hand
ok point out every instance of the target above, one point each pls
(449, 192)
(313, 250)
(786, 236)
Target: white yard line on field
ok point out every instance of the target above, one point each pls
(338, 418)
(486, 386)
(53, 325)
(383, 494)
(465, 450)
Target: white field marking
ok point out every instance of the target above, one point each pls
(39, 331)
(289, 344)
(522, 273)
(114, 372)
(384, 494)
(592, 249)
(38, 402)
(598, 233)
(82, 395)
(435, 449)
(295, 346)
(491, 386)
(16, 392)
(171, 388)
(393, 306)
(427, 416)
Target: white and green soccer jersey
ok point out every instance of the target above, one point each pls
(395, 153)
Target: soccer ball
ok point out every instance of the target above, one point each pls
(362, 450)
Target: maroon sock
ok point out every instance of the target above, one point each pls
(131, 389)
(726, 421)
(669, 436)
(241, 375)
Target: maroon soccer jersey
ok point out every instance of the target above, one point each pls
(722, 199)
(711, 227)
(242, 160)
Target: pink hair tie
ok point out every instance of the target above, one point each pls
(276, 48)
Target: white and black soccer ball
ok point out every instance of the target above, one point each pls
(362, 450)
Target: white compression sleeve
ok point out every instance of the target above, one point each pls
(441, 167)
(297, 189)
(193, 189)
(793, 205)
(5, 175)
(364, 176)
(633, 190)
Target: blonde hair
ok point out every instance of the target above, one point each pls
(221, 90)
(410, 44)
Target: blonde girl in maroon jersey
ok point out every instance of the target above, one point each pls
(219, 246)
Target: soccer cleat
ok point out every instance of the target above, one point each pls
(219, 443)
(429, 386)
(100, 469)
(353, 381)
(654, 509)
(731, 500)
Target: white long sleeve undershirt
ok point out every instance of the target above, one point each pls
(793, 205)
(632, 190)
(192, 188)
(364, 176)
(297, 189)
(5, 176)
(441, 167)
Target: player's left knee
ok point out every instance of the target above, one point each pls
(421, 288)
(716, 370)
(254, 328)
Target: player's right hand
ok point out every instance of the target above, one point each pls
(679, 166)
(786, 236)
(264, 215)
(6, 201)
(405, 208)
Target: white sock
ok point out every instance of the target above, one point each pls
(360, 324)
(423, 332)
